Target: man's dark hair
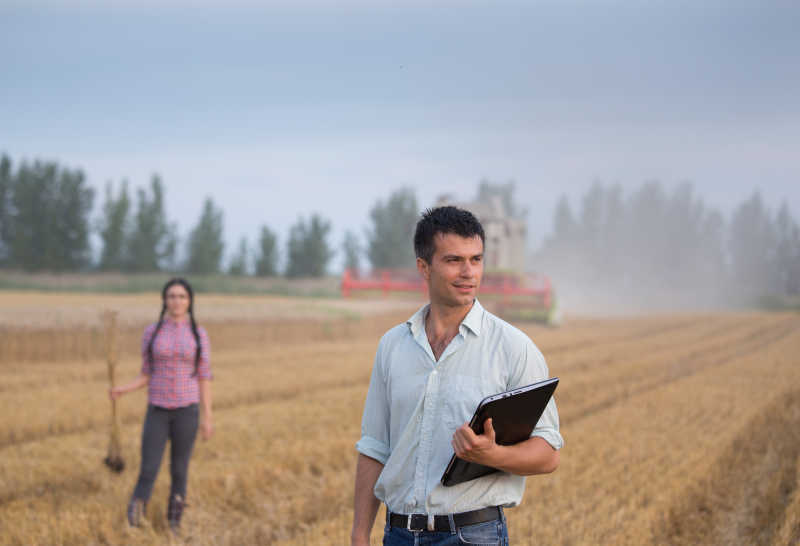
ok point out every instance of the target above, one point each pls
(444, 220)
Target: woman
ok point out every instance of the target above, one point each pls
(176, 369)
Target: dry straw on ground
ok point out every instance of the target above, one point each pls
(679, 429)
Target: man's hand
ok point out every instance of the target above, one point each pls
(476, 448)
(529, 457)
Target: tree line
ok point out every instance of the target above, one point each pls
(667, 247)
(652, 243)
(45, 225)
(44, 217)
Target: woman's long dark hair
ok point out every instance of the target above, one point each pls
(185, 284)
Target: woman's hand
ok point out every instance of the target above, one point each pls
(206, 423)
(206, 427)
(138, 383)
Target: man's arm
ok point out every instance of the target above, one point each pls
(533, 456)
(365, 505)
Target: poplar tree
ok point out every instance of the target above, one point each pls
(6, 182)
(205, 243)
(48, 227)
(308, 251)
(238, 265)
(390, 240)
(113, 228)
(149, 242)
(352, 251)
(267, 259)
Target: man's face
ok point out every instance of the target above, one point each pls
(455, 271)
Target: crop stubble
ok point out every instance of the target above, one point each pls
(679, 429)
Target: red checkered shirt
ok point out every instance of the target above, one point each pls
(172, 380)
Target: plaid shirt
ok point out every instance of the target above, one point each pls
(172, 384)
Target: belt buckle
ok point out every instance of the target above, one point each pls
(429, 525)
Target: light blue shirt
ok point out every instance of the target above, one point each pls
(415, 404)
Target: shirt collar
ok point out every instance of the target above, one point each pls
(474, 318)
(472, 321)
(172, 322)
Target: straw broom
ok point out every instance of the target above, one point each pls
(114, 459)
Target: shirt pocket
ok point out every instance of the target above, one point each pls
(463, 394)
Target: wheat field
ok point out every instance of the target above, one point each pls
(679, 428)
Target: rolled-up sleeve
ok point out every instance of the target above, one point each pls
(531, 368)
(204, 366)
(374, 442)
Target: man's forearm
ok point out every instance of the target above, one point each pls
(365, 505)
(533, 456)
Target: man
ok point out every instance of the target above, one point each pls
(428, 377)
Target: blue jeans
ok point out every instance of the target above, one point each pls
(494, 533)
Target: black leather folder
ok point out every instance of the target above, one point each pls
(514, 415)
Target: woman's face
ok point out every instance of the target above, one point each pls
(177, 301)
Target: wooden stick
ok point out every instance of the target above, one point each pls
(114, 459)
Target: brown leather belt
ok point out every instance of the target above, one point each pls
(419, 522)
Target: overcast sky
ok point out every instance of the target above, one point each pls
(286, 108)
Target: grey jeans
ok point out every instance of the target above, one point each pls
(179, 425)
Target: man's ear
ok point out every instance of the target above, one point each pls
(424, 269)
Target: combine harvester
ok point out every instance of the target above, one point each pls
(512, 296)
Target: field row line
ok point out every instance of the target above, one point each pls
(745, 498)
(604, 340)
(655, 345)
(751, 344)
(291, 392)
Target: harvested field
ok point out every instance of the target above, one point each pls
(679, 429)
(53, 310)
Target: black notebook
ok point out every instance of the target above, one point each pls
(514, 415)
